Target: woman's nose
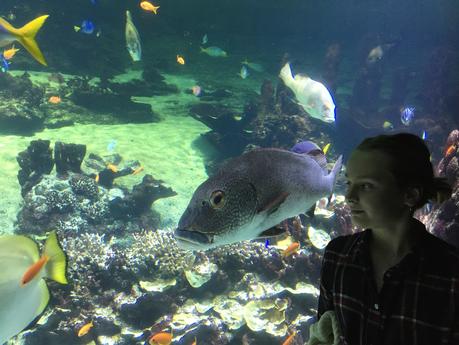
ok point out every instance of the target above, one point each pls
(350, 195)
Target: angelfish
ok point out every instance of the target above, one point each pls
(132, 39)
(312, 95)
(250, 194)
(23, 291)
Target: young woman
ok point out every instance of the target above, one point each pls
(393, 283)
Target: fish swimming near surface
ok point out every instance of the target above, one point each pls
(250, 194)
(312, 95)
(214, 51)
(132, 39)
(149, 7)
(23, 291)
(25, 36)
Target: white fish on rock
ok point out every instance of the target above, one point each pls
(132, 39)
(312, 95)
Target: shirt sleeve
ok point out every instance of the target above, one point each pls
(325, 297)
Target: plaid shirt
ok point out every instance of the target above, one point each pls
(418, 302)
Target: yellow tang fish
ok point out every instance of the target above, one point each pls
(25, 36)
(149, 7)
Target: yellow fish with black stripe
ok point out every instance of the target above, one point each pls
(23, 291)
(25, 36)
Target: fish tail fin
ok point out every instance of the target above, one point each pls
(26, 36)
(333, 175)
(286, 74)
(201, 50)
(57, 264)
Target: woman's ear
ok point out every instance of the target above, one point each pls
(413, 196)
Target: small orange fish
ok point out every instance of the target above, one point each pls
(112, 167)
(291, 249)
(9, 53)
(194, 342)
(33, 270)
(450, 149)
(85, 329)
(149, 7)
(136, 171)
(161, 338)
(290, 339)
(54, 99)
(180, 59)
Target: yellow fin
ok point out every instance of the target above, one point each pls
(57, 264)
(26, 36)
(44, 297)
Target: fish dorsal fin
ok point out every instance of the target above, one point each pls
(273, 204)
(301, 76)
(272, 232)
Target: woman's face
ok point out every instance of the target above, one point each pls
(373, 195)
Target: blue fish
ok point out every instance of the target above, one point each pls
(266, 243)
(305, 147)
(87, 27)
(407, 115)
(111, 145)
(5, 65)
(424, 135)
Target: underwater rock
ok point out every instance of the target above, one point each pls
(119, 106)
(200, 273)
(141, 198)
(68, 157)
(34, 162)
(266, 315)
(330, 66)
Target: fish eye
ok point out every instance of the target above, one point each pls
(217, 199)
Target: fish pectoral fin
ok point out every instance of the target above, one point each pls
(272, 232)
(272, 205)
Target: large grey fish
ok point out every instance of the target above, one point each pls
(251, 194)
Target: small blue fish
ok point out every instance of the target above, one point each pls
(424, 135)
(204, 39)
(407, 115)
(266, 243)
(111, 145)
(87, 27)
(5, 65)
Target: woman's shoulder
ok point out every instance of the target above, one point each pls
(345, 244)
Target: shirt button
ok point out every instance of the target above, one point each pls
(376, 306)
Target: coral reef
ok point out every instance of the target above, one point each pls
(34, 162)
(134, 286)
(73, 202)
(443, 220)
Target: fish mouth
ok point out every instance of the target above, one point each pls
(192, 236)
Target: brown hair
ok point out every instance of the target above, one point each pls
(411, 165)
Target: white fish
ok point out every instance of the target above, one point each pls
(204, 39)
(214, 51)
(132, 39)
(23, 291)
(253, 66)
(312, 95)
(244, 73)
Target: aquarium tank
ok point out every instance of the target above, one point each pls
(151, 153)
